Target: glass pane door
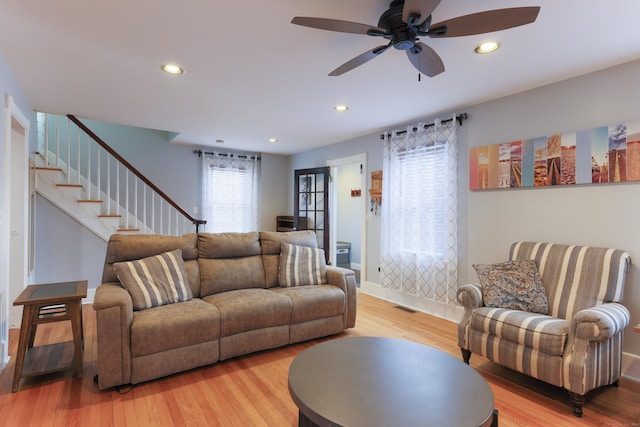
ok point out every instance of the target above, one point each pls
(311, 204)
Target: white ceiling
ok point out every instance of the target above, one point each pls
(251, 74)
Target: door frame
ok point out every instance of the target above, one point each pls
(15, 228)
(333, 207)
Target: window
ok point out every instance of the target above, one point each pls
(419, 212)
(230, 192)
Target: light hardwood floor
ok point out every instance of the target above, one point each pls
(252, 390)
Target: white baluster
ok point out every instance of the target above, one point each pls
(117, 188)
(68, 150)
(126, 194)
(135, 201)
(46, 141)
(57, 142)
(153, 212)
(78, 160)
(88, 168)
(108, 183)
(98, 177)
(144, 206)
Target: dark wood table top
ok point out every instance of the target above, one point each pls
(372, 381)
(52, 293)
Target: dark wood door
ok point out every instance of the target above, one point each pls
(311, 204)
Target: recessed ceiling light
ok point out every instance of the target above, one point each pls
(487, 47)
(172, 69)
(272, 140)
(341, 108)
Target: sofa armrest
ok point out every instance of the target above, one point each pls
(110, 295)
(470, 296)
(345, 279)
(114, 316)
(598, 324)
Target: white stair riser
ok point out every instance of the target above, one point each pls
(66, 198)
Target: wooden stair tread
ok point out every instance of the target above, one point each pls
(109, 216)
(70, 185)
(124, 230)
(44, 168)
(89, 201)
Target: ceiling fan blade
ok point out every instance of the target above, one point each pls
(338, 25)
(359, 60)
(427, 61)
(423, 8)
(484, 22)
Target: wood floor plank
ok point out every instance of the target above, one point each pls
(252, 390)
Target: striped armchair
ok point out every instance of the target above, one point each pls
(578, 345)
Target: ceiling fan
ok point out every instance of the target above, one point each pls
(407, 20)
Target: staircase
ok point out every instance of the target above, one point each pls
(82, 175)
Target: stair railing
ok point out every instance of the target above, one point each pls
(107, 178)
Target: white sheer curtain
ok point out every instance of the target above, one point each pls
(230, 192)
(419, 252)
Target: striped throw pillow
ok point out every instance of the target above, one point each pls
(301, 265)
(155, 281)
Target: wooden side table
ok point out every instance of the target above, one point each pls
(46, 303)
(636, 328)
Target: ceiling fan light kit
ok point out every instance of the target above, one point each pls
(407, 20)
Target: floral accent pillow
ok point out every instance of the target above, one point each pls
(514, 285)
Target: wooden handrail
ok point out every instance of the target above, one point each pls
(135, 171)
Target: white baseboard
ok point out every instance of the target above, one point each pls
(4, 361)
(15, 316)
(445, 311)
(91, 293)
(631, 366)
(355, 266)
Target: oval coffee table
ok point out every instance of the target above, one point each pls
(371, 381)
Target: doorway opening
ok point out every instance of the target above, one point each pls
(348, 201)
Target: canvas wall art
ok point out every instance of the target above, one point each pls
(605, 154)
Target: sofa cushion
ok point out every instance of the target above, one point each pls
(314, 302)
(174, 326)
(128, 247)
(513, 284)
(248, 309)
(229, 261)
(537, 331)
(228, 245)
(301, 265)
(154, 281)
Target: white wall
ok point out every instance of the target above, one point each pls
(274, 198)
(67, 251)
(597, 215)
(371, 145)
(489, 221)
(8, 85)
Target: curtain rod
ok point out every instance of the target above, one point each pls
(240, 156)
(459, 118)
